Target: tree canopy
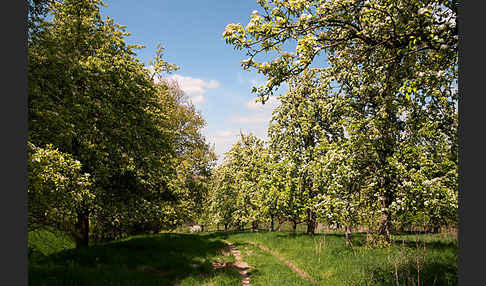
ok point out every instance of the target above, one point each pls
(384, 97)
(366, 134)
(93, 100)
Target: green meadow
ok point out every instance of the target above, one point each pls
(187, 259)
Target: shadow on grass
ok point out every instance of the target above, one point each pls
(144, 260)
(431, 273)
(217, 234)
(429, 245)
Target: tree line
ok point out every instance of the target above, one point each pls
(367, 138)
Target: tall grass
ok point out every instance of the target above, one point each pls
(411, 260)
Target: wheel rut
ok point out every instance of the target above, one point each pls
(241, 266)
(297, 270)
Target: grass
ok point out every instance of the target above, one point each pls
(267, 269)
(162, 259)
(48, 241)
(326, 259)
(186, 259)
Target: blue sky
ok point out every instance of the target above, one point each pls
(210, 73)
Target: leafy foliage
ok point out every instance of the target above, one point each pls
(368, 134)
(237, 183)
(94, 101)
(56, 188)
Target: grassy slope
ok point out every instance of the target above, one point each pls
(166, 258)
(335, 264)
(45, 242)
(139, 260)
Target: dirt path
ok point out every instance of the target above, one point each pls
(300, 272)
(240, 265)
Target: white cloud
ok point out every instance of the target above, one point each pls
(223, 137)
(269, 105)
(223, 140)
(258, 113)
(251, 119)
(213, 84)
(198, 99)
(225, 134)
(195, 88)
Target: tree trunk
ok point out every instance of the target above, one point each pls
(81, 230)
(217, 226)
(279, 225)
(401, 228)
(225, 227)
(311, 222)
(271, 223)
(385, 220)
(202, 227)
(348, 235)
(252, 229)
(294, 225)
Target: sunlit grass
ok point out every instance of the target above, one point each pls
(327, 260)
(267, 269)
(186, 259)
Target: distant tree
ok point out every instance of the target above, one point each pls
(246, 161)
(299, 127)
(222, 195)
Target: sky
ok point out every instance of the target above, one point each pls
(210, 73)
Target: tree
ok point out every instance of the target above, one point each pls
(270, 189)
(284, 198)
(298, 128)
(194, 157)
(356, 34)
(57, 191)
(238, 184)
(340, 178)
(388, 60)
(247, 161)
(428, 170)
(92, 99)
(222, 194)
